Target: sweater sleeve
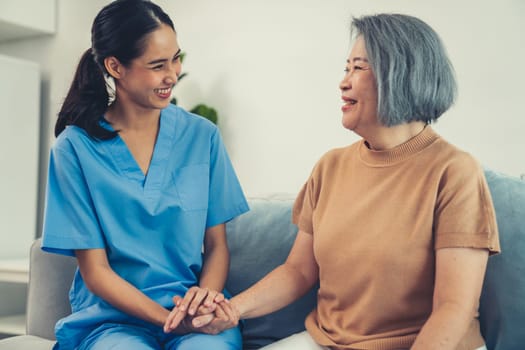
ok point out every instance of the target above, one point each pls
(464, 215)
(305, 202)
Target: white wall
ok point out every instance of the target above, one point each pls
(272, 69)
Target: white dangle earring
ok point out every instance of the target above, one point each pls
(110, 88)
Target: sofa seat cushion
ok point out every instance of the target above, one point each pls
(25, 342)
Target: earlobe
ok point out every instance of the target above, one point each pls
(113, 67)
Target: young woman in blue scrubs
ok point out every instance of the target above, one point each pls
(139, 191)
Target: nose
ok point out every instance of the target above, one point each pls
(174, 71)
(345, 83)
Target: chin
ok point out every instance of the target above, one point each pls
(348, 124)
(160, 105)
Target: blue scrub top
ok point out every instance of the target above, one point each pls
(152, 227)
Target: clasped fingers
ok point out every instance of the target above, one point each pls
(224, 317)
(194, 299)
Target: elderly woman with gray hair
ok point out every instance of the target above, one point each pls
(397, 227)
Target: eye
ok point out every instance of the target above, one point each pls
(157, 67)
(179, 55)
(353, 69)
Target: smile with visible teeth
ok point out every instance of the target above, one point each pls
(163, 91)
(348, 104)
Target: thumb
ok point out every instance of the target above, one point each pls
(203, 320)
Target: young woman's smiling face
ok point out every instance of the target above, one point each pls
(359, 91)
(148, 80)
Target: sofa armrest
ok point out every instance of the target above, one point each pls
(50, 277)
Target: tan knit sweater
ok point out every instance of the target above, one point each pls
(377, 218)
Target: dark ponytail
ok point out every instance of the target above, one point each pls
(87, 100)
(119, 30)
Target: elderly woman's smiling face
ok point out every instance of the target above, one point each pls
(359, 91)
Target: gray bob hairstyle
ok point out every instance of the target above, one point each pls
(415, 79)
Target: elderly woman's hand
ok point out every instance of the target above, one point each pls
(224, 316)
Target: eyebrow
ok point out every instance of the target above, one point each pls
(161, 60)
(358, 59)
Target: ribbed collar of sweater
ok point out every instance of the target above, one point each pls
(399, 153)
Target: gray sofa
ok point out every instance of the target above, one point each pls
(261, 239)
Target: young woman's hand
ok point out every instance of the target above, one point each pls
(194, 299)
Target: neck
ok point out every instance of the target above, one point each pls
(123, 117)
(385, 138)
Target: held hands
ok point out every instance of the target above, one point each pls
(202, 310)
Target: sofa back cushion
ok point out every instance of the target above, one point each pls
(259, 241)
(502, 304)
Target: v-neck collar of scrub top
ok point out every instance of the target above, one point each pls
(151, 182)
